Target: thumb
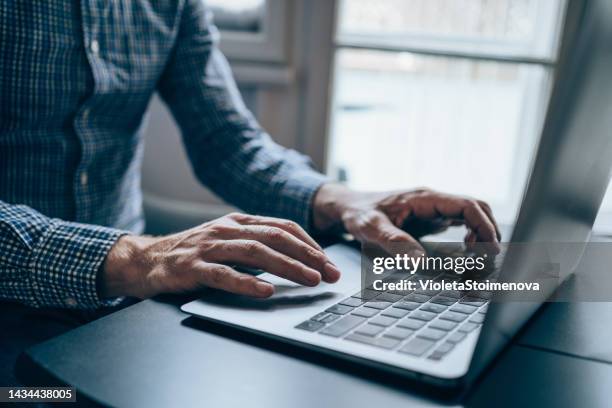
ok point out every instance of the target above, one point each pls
(393, 239)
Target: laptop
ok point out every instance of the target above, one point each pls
(448, 339)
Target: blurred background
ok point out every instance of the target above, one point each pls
(382, 94)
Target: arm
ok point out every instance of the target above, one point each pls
(228, 150)
(47, 262)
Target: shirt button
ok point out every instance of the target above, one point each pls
(84, 178)
(94, 46)
(71, 302)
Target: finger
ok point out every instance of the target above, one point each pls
(286, 243)
(473, 215)
(223, 277)
(487, 209)
(255, 254)
(291, 227)
(381, 231)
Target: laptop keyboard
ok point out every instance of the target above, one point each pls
(426, 324)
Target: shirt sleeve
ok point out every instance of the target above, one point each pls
(228, 150)
(46, 262)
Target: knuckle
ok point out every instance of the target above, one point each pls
(470, 205)
(243, 280)
(396, 238)
(291, 225)
(218, 275)
(276, 234)
(316, 255)
(391, 236)
(371, 219)
(293, 264)
(218, 229)
(236, 216)
(253, 248)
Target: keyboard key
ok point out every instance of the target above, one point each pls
(468, 327)
(481, 295)
(443, 325)
(367, 294)
(461, 308)
(484, 309)
(412, 324)
(369, 330)
(472, 301)
(378, 305)
(331, 317)
(320, 316)
(433, 308)
(477, 318)
(445, 347)
(414, 297)
(454, 317)
(388, 297)
(431, 334)
(399, 333)
(384, 321)
(339, 309)
(365, 311)
(422, 315)
(417, 346)
(310, 325)
(427, 292)
(352, 302)
(451, 293)
(443, 300)
(395, 312)
(342, 326)
(407, 305)
(456, 337)
(382, 342)
(441, 351)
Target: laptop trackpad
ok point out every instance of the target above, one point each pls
(287, 295)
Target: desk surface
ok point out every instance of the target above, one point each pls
(151, 354)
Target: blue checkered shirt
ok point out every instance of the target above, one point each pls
(76, 78)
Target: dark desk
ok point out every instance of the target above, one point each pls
(151, 354)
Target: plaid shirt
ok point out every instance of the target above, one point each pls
(76, 78)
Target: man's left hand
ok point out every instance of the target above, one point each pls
(401, 217)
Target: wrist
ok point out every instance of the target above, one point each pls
(330, 203)
(123, 268)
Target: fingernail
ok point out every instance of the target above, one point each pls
(332, 272)
(313, 277)
(417, 253)
(264, 288)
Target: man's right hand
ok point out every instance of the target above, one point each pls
(141, 266)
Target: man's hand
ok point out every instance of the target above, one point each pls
(389, 219)
(145, 266)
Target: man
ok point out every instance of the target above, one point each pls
(76, 78)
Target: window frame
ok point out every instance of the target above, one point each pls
(270, 45)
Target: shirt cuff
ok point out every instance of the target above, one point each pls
(65, 264)
(297, 198)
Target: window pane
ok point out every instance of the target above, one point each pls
(523, 27)
(238, 15)
(458, 125)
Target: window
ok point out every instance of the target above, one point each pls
(238, 15)
(449, 94)
(253, 30)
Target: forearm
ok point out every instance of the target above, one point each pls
(51, 263)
